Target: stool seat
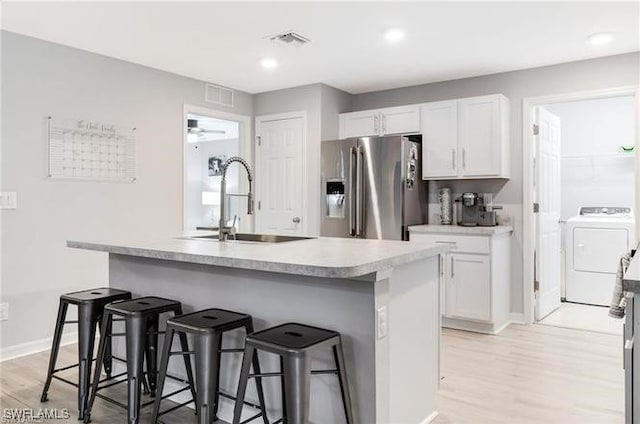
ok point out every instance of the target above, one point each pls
(292, 336)
(209, 321)
(100, 295)
(143, 305)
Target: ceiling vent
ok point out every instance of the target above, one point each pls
(289, 38)
(218, 95)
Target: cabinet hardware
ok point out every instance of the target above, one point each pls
(384, 123)
(296, 219)
(446, 242)
(464, 158)
(453, 158)
(442, 265)
(375, 124)
(452, 273)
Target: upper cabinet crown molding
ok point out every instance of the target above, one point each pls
(378, 122)
(461, 138)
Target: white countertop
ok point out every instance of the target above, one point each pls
(319, 257)
(458, 229)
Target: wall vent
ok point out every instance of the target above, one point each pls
(218, 95)
(289, 38)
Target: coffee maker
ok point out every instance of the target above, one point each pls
(478, 210)
(470, 209)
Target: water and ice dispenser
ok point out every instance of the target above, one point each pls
(334, 195)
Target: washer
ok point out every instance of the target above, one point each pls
(595, 241)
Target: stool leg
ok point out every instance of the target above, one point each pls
(164, 363)
(108, 357)
(53, 356)
(216, 395)
(259, 387)
(242, 384)
(207, 374)
(282, 392)
(135, 339)
(151, 353)
(338, 355)
(86, 336)
(106, 323)
(297, 385)
(184, 345)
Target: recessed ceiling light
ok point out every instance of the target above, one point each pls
(394, 35)
(600, 38)
(269, 63)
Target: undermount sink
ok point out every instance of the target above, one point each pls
(261, 238)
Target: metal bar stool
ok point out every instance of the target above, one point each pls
(141, 317)
(90, 304)
(207, 328)
(293, 343)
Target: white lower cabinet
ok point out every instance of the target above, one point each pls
(474, 280)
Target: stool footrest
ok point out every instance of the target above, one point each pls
(115, 402)
(70, 322)
(186, 352)
(65, 380)
(279, 374)
(258, 415)
(173, 408)
(231, 350)
(251, 404)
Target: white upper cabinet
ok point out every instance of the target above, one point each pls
(359, 124)
(466, 138)
(440, 128)
(378, 122)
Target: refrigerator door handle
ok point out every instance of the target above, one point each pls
(359, 191)
(353, 211)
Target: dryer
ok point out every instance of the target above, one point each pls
(596, 238)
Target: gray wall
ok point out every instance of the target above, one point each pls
(613, 71)
(40, 79)
(322, 104)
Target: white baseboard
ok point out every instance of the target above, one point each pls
(517, 318)
(35, 346)
(430, 418)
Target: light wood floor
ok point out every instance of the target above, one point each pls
(526, 375)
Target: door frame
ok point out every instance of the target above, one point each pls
(305, 161)
(528, 218)
(245, 135)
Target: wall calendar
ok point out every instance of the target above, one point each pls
(91, 151)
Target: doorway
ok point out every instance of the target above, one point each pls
(210, 138)
(583, 189)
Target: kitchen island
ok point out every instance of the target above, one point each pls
(381, 295)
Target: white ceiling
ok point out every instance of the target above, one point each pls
(223, 42)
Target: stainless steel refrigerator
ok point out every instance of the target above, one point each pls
(372, 187)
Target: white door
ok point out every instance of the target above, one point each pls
(400, 120)
(360, 124)
(279, 179)
(480, 136)
(547, 195)
(469, 288)
(439, 139)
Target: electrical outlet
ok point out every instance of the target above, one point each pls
(383, 322)
(4, 311)
(8, 200)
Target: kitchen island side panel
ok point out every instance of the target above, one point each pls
(347, 306)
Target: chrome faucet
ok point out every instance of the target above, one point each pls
(224, 230)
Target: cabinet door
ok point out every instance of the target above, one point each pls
(400, 120)
(360, 124)
(469, 287)
(480, 136)
(439, 139)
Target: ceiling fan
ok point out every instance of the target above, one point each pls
(193, 128)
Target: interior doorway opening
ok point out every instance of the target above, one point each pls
(210, 138)
(584, 190)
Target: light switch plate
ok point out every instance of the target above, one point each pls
(9, 200)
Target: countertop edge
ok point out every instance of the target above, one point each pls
(458, 229)
(261, 265)
(631, 278)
